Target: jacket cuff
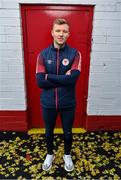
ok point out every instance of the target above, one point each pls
(50, 76)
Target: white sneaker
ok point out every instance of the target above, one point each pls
(48, 162)
(68, 166)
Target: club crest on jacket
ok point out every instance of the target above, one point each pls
(65, 62)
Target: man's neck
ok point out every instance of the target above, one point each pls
(58, 46)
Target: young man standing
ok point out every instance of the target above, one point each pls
(58, 68)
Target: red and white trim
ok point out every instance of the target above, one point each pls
(77, 62)
(56, 89)
(40, 68)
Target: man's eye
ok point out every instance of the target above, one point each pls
(65, 31)
(57, 30)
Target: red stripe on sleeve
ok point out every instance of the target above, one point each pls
(77, 62)
(40, 68)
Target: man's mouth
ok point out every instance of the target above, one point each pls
(60, 39)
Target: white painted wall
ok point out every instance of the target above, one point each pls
(104, 94)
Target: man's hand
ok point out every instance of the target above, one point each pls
(68, 72)
(46, 76)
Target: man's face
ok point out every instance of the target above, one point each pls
(60, 33)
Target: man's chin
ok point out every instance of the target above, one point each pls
(61, 44)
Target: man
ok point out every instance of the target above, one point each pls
(58, 68)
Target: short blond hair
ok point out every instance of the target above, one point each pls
(60, 21)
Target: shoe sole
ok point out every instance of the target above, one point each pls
(49, 166)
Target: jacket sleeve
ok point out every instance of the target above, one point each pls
(41, 79)
(68, 79)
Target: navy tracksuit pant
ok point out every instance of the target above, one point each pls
(67, 119)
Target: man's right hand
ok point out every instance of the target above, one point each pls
(68, 72)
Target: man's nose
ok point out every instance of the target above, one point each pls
(61, 33)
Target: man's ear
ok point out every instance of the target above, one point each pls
(68, 33)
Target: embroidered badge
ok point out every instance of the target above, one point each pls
(49, 61)
(65, 62)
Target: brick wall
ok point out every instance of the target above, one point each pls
(104, 94)
(12, 83)
(104, 97)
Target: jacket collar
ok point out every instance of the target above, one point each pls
(61, 49)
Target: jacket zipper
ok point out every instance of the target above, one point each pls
(56, 90)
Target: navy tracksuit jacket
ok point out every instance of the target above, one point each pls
(58, 88)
